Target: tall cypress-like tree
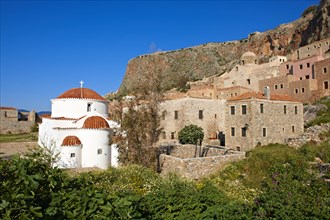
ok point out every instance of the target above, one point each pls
(140, 121)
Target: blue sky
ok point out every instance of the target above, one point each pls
(47, 47)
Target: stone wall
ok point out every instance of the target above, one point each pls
(277, 121)
(196, 168)
(15, 127)
(205, 113)
(185, 160)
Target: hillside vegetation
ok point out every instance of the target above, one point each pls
(274, 181)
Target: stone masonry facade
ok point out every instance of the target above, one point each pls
(257, 121)
(183, 161)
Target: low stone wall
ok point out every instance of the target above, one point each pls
(15, 127)
(196, 168)
(190, 151)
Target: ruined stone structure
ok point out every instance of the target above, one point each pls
(13, 121)
(184, 161)
(259, 119)
(8, 114)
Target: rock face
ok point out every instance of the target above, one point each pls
(177, 67)
(312, 134)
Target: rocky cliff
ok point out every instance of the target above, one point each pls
(179, 66)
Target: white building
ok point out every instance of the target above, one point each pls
(79, 129)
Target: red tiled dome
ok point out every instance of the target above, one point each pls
(95, 122)
(80, 93)
(71, 141)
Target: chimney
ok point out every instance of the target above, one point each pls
(267, 92)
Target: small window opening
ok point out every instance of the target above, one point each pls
(287, 66)
(264, 132)
(301, 66)
(308, 65)
(326, 85)
(296, 90)
(89, 107)
(232, 110)
(238, 148)
(296, 109)
(307, 76)
(200, 114)
(176, 115)
(243, 130)
(275, 86)
(284, 109)
(232, 131)
(243, 109)
(261, 108)
(99, 151)
(302, 90)
(292, 128)
(324, 70)
(172, 135)
(248, 81)
(72, 155)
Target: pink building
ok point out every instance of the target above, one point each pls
(300, 69)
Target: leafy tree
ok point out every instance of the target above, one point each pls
(191, 134)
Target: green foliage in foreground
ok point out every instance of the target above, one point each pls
(5, 138)
(274, 182)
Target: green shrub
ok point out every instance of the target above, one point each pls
(191, 134)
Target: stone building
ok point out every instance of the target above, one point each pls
(258, 119)
(305, 80)
(205, 113)
(249, 72)
(13, 121)
(314, 49)
(79, 130)
(8, 114)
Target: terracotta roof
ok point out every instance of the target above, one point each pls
(95, 122)
(80, 93)
(71, 141)
(7, 108)
(259, 95)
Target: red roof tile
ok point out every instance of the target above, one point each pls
(80, 93)
(71, 141)
(95, 122)
(259, 95)
(7, 108)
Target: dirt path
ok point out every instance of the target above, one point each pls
(8, 149)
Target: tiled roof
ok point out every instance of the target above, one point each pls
(7, 108)
(71, 141)
(80, 93)
(95, 122)
(259, 95)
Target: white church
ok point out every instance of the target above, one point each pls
(78, 130)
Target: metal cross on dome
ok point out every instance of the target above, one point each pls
(81, 83)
